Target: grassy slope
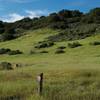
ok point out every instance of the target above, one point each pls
(74, 74)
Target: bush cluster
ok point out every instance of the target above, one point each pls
(44, 51)
(95, 43)
(74, 45)
(44, 44)
(4, 51)
(61, 47)
(59, 51)
(9, 51)
(14, 52)
(60, 20)
(76, 32)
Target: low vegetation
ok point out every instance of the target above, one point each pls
(75, 33)
(95, 43)
(14, 52)
(44, 51)
(74, 44)
(4, 51)
(9, 51)
(59, 51)
(44, 44)
(61, 47)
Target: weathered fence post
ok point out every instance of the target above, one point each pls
(40, 80)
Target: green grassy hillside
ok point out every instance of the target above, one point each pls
(73, 75)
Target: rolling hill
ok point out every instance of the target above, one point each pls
(77, 66)
(68, 56)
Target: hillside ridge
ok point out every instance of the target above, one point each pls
(71, 22)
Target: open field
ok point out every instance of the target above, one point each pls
(73, 75)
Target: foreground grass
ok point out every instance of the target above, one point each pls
(74, 75)
(59, 83)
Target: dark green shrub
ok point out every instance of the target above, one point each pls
(74, 45)
(58, 25)
(6, 36)
(44, 44)
(75, 32)
(1, 30)
(6, 66)
(59, 51)
(95, 43)
(95, 14)
(4, 51)
(44, 51)
(61, 47)
(1, 27)
(53, 18)
(14, 52)
(9, 51)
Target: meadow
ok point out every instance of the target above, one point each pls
(73, 75)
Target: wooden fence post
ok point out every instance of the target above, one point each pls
(40, 80)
